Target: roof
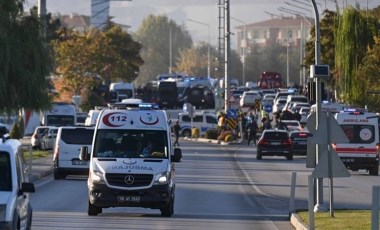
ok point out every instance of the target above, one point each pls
(277, 23)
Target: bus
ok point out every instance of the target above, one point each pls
(270, 80)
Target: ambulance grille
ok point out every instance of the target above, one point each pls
(129, 180)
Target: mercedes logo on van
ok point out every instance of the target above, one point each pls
(129, 179)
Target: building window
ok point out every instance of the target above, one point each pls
(265, 34)
(256, 34)
(290, 34)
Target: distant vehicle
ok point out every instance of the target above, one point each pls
(279, 104)
(200, 96)
(170, 76)
(270, 80)
(250, 98)
(201, 120)
(81, 118)
(37, 136)
(168, 94)
(61, 114)
(299, 142)
(304, 111)
(68, 143)
(3, 130)
(48, 139)
(121, 90)
(274, 142)
(292, 125)
(15, 207)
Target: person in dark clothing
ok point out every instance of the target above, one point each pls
(297, 115)
(176, 133)
(252, 128)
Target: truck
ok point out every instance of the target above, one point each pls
(168, 94)
(60, 114)
(120, 90)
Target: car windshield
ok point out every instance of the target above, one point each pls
(5, 172)
(131, 144)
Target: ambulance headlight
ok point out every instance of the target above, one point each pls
(161, 178)
(96, 177)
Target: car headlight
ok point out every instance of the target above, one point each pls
(161, 178)
(96, 177)
(3, 211)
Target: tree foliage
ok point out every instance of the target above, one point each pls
(84, 61)
(24, 60)
(161, 38)
(352, 39)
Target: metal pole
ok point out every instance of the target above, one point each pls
(319, 206)
(42, 16)
(170, 49)
(227, 51)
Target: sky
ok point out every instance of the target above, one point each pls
(205, 12)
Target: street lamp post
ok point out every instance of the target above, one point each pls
(208, 47)
(243, 45)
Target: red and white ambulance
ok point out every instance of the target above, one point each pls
(362, 130)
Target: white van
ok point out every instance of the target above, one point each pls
(202, 120)
(132, 160)
(15, 208)
(362, 130)
(68, 143)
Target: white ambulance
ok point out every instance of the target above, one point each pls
(362, 130)
(132, 160)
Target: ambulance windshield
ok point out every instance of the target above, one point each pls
(131, 144)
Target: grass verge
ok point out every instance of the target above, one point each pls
(35, 154)
(343, 219)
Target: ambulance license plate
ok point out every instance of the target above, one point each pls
(128, 199)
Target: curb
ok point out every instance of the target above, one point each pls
(214, 141)
(46, 172)
(297, 223)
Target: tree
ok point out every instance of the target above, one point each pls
(159, 36)
(353, 36)
(24, 60)
(84, 61)
(194, 61)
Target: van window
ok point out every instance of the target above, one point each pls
(131, 143)
(77, 136)
(5, 172)
(211, 120)
(186, 118)
(359, 134)
(198, 119)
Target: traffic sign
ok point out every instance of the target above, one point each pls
(232, 100)
(232, 113)
(231, 123)
(338, 169)
(268, 108)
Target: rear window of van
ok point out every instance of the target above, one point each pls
(359, 134)
(77, 136)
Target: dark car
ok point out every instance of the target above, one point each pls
(274, 142)
(299, 139)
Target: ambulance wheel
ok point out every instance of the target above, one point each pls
(374, 171)
(93, 210)
(168, 210)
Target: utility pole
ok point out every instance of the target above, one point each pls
(227, 49)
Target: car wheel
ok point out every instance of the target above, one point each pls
(290, 157)
(168, 210)
(374, 171)
(93, 210)
(186, 133)
(58, 175)
(259, 155)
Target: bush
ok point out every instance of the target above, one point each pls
(195, 132)
(21, 126)
(15, 132)
(211, 134)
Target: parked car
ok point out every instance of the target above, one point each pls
(274, 142)
(3, 130)
(37, 135)
(15, 208)
(299, 142)
(48, 139)
(202, 120)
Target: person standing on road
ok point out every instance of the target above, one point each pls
(176, 133)
(252, 131)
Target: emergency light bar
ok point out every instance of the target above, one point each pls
(148, 106)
